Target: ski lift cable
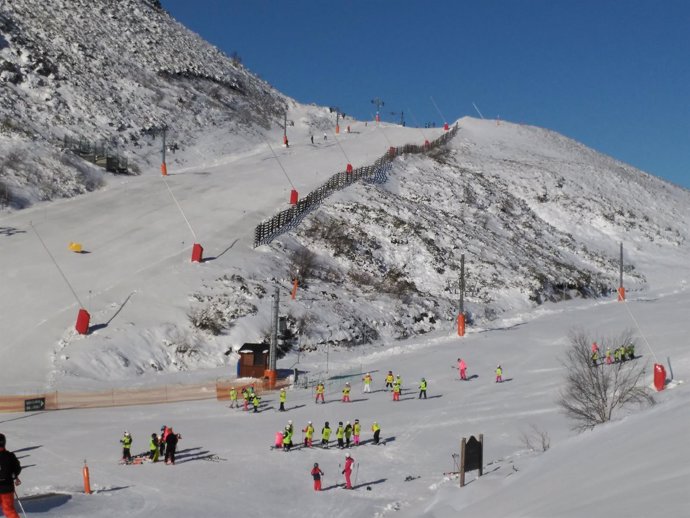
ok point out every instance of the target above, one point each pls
(281, 165)
(639, 330)
(180, 208)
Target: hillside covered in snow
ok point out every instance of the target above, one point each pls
(537, 216)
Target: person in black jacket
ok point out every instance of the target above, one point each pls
(9, 477)
(171, 446)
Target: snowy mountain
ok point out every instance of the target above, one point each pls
(114, 74)
(538, 217)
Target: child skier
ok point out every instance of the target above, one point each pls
(346, 393)
(126, 442)
(377, 432)
(422, 389)
(340, 434)
(320, 389)
(325, 435)
(356, 429)
(462, 369)
(499, 374)
(389, 380)
(153, 448)
(308, 434)
(283, 399)
(317, 474)
(367, 382)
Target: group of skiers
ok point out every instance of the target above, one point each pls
(317, 473)
(249, 396)
(163, 444)
(345, 435)
(619, 354)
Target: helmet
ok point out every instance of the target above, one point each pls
(423, 379)
(163, 427)
(356, 420)
(309, 422)
(316, 464)
(348, 422)
(347, 455)
(326, 423)
(289, 421)
(340, 423)
(126, 432)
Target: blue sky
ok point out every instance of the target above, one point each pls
(612, 74)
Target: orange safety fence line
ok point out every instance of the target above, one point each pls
(219, 390)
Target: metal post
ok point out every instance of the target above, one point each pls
(165, 129)
(462, 461)
(285, 129)
(620, 284)
(274, 332)
(462, 284)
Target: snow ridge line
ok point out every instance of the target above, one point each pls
(288, 219)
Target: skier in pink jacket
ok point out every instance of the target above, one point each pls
(349, 461)
(462, 369)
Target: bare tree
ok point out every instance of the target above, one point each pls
(536, 439)
(303, 265)
(593, 393)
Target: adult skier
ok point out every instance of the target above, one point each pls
(325, 435)
(462, 369)
(171, 446)
(317, 474)
(422, 389)
(126, 442)
(347, 471)
(9, 478)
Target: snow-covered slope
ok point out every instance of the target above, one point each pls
(113, 73)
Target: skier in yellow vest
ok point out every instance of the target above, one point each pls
(233, 398)
(356, 430)
(377, 432)
(283, 399)
(422, 389)
(320, 389)
(308, 434)
(367, 382)
(346, 393)
(396, 391)
(499, 374)
(389, 380)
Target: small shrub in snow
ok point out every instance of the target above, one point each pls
(207, 318)
(593, 393)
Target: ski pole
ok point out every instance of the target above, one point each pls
(356, 473)
(20, 503)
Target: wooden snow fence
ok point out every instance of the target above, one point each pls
(289, 218)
